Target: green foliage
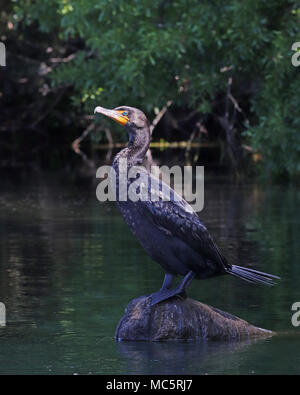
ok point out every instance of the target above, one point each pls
(147, 52)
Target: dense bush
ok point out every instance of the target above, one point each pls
(147, 52)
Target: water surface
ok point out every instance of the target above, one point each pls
(69, 266)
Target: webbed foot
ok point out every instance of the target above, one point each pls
(162, 295)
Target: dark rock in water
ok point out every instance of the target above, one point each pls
(182, 319)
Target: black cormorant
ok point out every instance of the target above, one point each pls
(170, 231)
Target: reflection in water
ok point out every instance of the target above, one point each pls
(187, 358)
(69, 266)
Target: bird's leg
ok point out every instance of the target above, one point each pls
(167, 281)
(158, 296)
(185, 283)
(166, 293)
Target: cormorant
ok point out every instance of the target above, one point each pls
(170, 231)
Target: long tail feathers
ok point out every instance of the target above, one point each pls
(253, 276)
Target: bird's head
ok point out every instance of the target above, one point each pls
(130, 117)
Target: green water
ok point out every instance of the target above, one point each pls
(69, 266)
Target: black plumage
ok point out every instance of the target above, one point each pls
(169, 230)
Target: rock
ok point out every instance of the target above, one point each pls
(182, 319)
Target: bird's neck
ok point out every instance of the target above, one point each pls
(136, 149)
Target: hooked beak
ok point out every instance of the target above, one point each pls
(116, 115)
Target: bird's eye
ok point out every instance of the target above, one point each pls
(125, 113)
